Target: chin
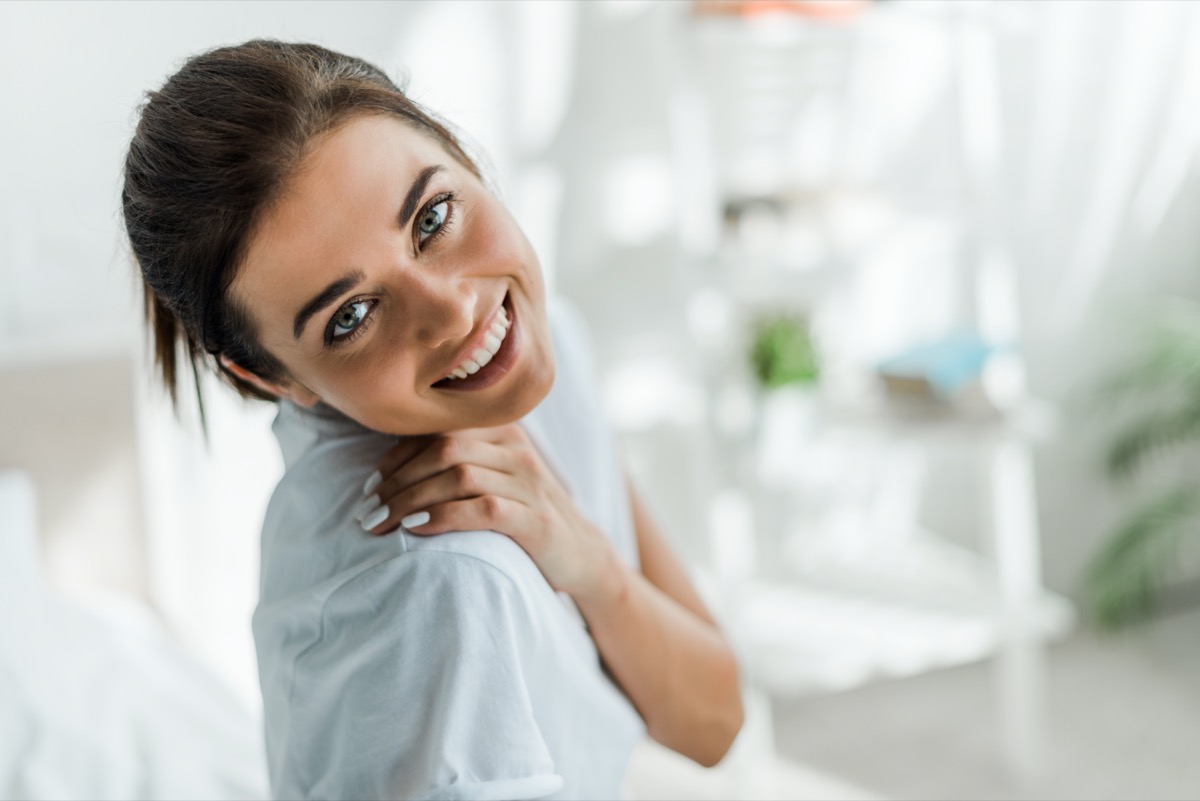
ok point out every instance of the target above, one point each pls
(529, 391)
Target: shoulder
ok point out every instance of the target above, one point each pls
(317, 562)
(436, 597)
(565, 316)
(395, 629)
(480, 574)
(576, 391)
(572, 339)
(416, 674)
(309, 534)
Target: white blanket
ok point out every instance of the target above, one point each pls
(100, 703)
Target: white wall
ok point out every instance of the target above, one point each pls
(72, 74)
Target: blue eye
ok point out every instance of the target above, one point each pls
(432, 220)
(348, 322)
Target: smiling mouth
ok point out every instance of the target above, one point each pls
(494, 357)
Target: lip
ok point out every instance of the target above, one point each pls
(501, 362)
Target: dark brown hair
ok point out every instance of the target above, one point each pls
(212, 150)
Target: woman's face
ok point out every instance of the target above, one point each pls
(381, 271)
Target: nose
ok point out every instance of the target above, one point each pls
(441, 309)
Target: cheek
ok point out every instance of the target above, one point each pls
(367, 380)
(499, 241)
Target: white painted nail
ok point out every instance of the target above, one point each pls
(415, 519)
(373, 481)
(375, 518)
(365, 508)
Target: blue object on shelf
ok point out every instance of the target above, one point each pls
(944, 366)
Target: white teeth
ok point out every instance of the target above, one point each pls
(481, 357)
(491, 345)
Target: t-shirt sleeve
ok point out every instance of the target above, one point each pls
(416, 688)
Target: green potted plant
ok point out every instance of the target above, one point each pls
(782, 353)
(783, 361)
(1157, 397)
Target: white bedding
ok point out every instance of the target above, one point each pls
(100, 703)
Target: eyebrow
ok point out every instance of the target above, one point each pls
(328, 295)
(343, 285)
(416, 190)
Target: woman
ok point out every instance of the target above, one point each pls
(304, 228)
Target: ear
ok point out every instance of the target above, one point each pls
(294, 392)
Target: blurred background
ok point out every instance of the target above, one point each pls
(895, 311)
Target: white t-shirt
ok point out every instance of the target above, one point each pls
(440, 667)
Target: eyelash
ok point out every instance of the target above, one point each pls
(450, 198)
(345, 339)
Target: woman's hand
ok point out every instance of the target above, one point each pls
(489, 478)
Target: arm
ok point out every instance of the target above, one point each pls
(650, 627)
(664, 648)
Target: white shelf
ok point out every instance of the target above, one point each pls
(842, 620)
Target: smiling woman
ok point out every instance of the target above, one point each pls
(427, 261)
(453, 508)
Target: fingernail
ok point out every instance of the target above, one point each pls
(373, 481)
(375, 518)
(415, 519)
(365, 507)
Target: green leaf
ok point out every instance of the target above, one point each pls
(1151, 435)
(1169, 359)
(1123, 583)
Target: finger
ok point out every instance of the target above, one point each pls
(406, 449)
(486, 512)
(420, 458)
(442, 454)
(457, 482)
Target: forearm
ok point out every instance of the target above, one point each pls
(676, 667)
